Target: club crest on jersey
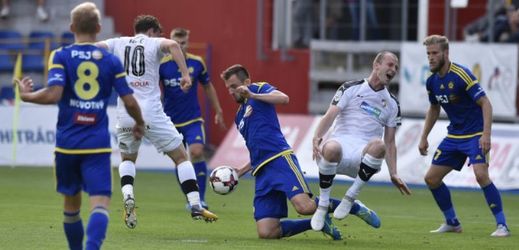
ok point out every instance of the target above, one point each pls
(451, 85)
(384, 103)
(373, 111)
(97, 54)
(248, 111)
(338, 95)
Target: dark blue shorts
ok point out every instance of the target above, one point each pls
(454, 152)
(277, 181)
(90, 172)
(193, 133)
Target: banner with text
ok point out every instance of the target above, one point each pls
(495, 65)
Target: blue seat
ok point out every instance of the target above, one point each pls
(6, 61)
(34, 55)
(11, 40)
(6, 93)
(67, 38)
(37, 40)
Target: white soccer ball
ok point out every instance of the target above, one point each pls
(223, 179)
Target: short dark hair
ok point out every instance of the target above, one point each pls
(143, 23)
(179, 32)
(236, 69)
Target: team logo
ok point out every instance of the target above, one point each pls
(96, 54)
(338, 95)
(451, 85)
(442, 87)
(373, 111)
(191, 70)
(248, 111)
(384, 103)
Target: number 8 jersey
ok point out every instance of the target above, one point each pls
(87, 74)
(141, 57)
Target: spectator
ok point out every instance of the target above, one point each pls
(305, 19)
(41, 13)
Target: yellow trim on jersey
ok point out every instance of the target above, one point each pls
(51, 59)
(83, 151)
(464, 136)
(165, 59)
(259, 84)
(297, 172)
(122, 74)
(198, 58)
(203, 131)
(189, 122)
(461, 72)
(288, 151)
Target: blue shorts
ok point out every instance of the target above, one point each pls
(277, 181)
(193, 133)
(454, 152)
(90, 172)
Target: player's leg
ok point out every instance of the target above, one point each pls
(331, 153)
(370, 163)
(446, 158)
(129, 148)
(194, 135)
(479, 162)
(97, 179)
(68, 183)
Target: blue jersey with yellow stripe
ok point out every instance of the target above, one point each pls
(258, 123)
(87, 74)
(181, 107)
(457, 93)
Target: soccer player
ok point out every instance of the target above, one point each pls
(81, 77)
(141, 55)
(183, 107)
(457, 91)
(365, 112)
(273, 162)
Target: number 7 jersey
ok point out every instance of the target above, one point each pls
(87, 74)
(141, 57)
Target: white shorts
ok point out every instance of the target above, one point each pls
(160, 132)
(352, 148)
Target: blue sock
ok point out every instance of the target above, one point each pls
(201, 177)
(74, 231)
(442, 195)
(494, 203)
(293, 227)
(96, 229)
(334, 203)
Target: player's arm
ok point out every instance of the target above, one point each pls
(272, 97)
(324, 125)
(48, 95)
(102, 44)
(213, 99)
(132, 107)
(430, 119)
(486, 107)
(389, 141)
(171, 47)
(243, 170)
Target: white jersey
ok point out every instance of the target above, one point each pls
(141, 57)
(364, 111)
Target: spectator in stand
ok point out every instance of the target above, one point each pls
(479, 30)
(41, 13)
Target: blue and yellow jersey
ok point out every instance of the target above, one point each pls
(457, 92)
(183, 108)
(258, 123)
(87, 74)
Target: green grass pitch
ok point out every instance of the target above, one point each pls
(31, 218)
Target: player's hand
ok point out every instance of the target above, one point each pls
(316, 142)
(485, 143)
(402, 187)
(185, 83)
(138, 131)
(423, 146)
(25, 85)
(218, 120)
(243, 91)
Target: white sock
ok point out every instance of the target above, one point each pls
(324, 196)
(186, 171)
(127, 168)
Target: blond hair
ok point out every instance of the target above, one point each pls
(437, 39)
(85, 17)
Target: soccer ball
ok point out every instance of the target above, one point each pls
(223, 179)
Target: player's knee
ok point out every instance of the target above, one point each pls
(197, 154)
(432, 181)
(306, 207)
(332, 151)
(267, 233)
(376, 148)
(366, 172)
(482, 178)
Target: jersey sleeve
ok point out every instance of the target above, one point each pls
(204, 75)
(430, 93)
(119, 83)
(56, 75)
(474, 89)
(262, 88)
(396, 116)
(111, 44)
(341, 97)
